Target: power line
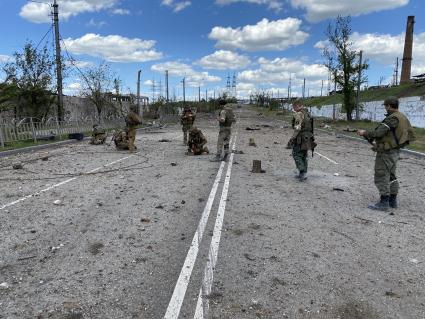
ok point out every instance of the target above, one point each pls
(44, 36)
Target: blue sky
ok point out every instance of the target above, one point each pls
(262, 42)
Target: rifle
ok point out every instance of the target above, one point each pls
(368, 139)
(313, 143)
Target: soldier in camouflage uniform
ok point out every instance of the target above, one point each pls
(226, 118)
(196, 143)
(98, 135)
(302, 139)
(187, 119)
(393, 133)
(120, 139)
(132, 120)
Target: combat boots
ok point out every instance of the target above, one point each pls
(302, 176)
(382, 205)
(393, 201)
(224, 158)
(216, 158)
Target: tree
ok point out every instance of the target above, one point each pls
(97, 87)
(342, 61)
(28, 83)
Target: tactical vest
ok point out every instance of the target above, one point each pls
(230, 117)
(397, 137)
(306, 126)
(188, 118)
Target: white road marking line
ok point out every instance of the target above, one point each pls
(202, 305)
(176, 301)
(332, 161)
(59, 184)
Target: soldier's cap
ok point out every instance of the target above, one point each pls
(95, 125)
(391, 101)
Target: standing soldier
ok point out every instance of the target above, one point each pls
(302, 139)
(98, 135)
(226, 118)
(132, 120)
(196, 143)
(186, 120)
(393, 133)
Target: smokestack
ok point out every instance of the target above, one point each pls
(407, 54)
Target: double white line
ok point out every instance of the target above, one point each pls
(202, 305)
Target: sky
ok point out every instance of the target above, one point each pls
(263, 44)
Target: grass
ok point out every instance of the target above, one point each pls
(405, 90)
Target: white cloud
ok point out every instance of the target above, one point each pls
(80, 64)
(176, 6)
(281, 69)
(224, 60)
(265, 35)
(74, 86)
(96, 24)
(192, 77)
(385, 48)
(122, 12)
(276, 5)
(5, 58)
(318, 10)
(114, 48)
(40, 12)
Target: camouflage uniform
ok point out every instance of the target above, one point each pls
(98, 135)
(187, 119)
(196, 143)
(226, 119)
(133, 119)
(302, 140)
(393, 133)
(121, 140)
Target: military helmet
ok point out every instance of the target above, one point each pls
(222, 102)
(193, 130)
(391, 101)
(187, 107)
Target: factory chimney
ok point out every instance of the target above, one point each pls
(407, 54)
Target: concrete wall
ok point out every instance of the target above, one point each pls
(413, 107)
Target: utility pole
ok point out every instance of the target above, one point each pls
(184, 90)
(321, 90)
(58, 60)
(396, 72)
(334, 106)
(359, 80)
(138, 92)
(166, 85)
(289, 88)
(199, 93)
(206, 95)
(304, 89)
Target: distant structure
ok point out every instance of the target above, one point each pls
(234, 85)
(407, 54)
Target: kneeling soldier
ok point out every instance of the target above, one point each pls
(121, 140)
(98, 135)
(196, 142)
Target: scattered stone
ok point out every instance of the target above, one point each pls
(237, 152)
(164, 140)
(57, 202)
(338, 189)
(336, 174)
(145, 220)
(256, 167)
(45, 158)
(252, 129)
(17, 166)
(159, 207)
(252, 142)
(173, 164)
(4, 285)
(391, 294)
(96, 248)
(183, 202)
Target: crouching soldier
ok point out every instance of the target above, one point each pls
(98, 135)
(132, 121)
(196, 143)
(392, 134)
(187, 118)
(121, 140)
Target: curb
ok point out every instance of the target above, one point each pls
(52, 145)
(38, 147)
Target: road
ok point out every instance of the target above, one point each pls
(90, 232)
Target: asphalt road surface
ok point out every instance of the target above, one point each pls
(90, 232)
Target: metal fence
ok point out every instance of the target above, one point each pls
(35, 131)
